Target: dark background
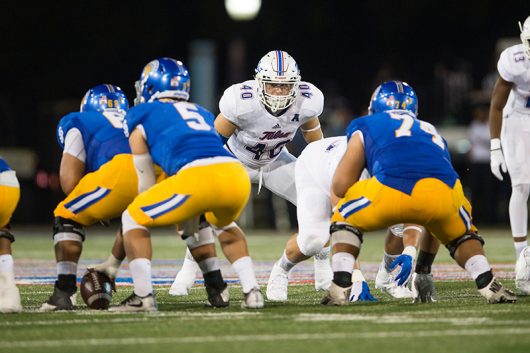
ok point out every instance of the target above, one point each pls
(52, 52)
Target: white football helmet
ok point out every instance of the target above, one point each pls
(525, 36)
(277, 67)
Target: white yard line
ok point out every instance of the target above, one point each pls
(117, 341)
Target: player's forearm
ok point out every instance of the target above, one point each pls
(495, 122)
(314, 135)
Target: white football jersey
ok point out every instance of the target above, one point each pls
(321, 158)
(261, 136)
(514, 66)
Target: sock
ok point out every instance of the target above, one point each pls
(6, 263)
(388, 259)
(343, 262)
(208, 265)
(323, 254)
(477, 265)
(245, 270)
(424, 262)
(484, 279)
(519, 247)
(6, 269)
(66, 275)
(141, 275)
(342, 279)
(285, 263)
(188, 256)
(214, 279)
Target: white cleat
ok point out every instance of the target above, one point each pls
(336, 295)
(384, 281)
(522, 272)
(253, 299)
(135, 303)
(278, 283)
(495, 293)
(323, 274)
(10, 300)
(185, 279)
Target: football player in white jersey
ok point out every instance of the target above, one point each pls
(510, 143)
(313, 175)
(257, 119)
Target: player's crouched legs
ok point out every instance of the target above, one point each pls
(68, 237)
(202, 249)
(137, 244)
(468, 253)
(9, 294)
(346, 244)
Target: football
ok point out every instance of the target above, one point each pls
(96, 290)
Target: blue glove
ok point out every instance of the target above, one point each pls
(405, 262)
(360, 292)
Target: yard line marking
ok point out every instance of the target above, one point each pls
(117, 341)
(148, 316)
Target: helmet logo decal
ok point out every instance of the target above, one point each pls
(279, 58)
(175, 81)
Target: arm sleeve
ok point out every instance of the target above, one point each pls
(74, 145)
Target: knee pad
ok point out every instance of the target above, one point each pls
(345, 234)
(311, 244)
(217, 230)
(128, 223)
(452, 246)
(67, 230)
(204, 237)
(4, 233)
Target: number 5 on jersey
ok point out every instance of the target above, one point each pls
(191, 115)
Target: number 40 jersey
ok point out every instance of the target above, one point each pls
(261, 136)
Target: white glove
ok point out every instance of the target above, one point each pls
(497, 162)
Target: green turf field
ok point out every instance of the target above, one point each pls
(459, 322)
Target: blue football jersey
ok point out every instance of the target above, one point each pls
(177, 133)
(400, 150)
(102, 136)
(3, 165)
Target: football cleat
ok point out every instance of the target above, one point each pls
(522, 272)
(384, 281)
(278, 283)
(60, 300)
(218, 298)
(10, 299)
(422, 285)
(135, 303)
(323, 274)
(253, 299)
(495, 293)
(185, 278)
(336, 295)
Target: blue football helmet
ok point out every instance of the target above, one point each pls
(104, 97)
(163, 78)
(392, 95)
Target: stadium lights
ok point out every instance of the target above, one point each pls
(242, 10)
